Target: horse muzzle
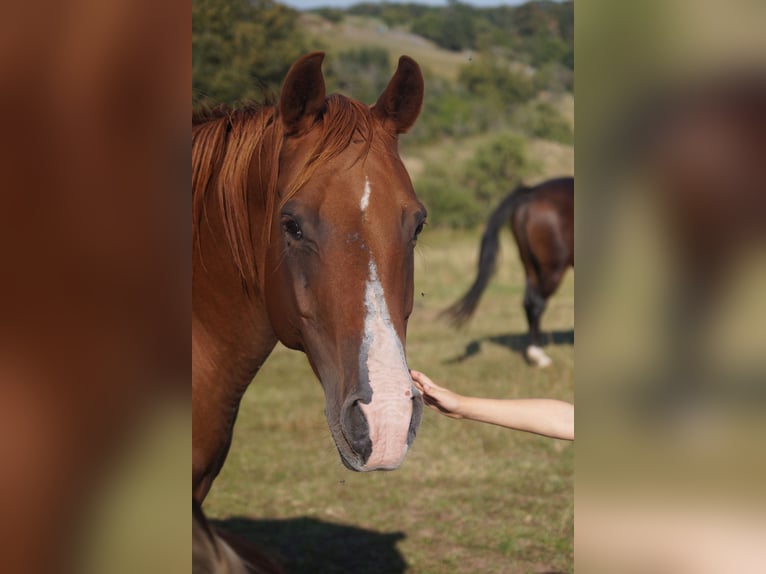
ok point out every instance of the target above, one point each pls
(378, 431)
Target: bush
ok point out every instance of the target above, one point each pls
(542, 120)
(492, 77)
(554, 77)
(451, 113)
(362, 73)
(449, 204)
(496, 168)
(462, 196)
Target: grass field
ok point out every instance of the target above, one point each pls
(469, 498)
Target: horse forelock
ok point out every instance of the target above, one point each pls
(225, 144)
(341, 122)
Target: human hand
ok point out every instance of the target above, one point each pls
(436, 397)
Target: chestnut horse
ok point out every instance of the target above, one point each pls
(542, 222)
(216, 552)
(304, 223)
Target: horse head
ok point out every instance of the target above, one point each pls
(339, 263)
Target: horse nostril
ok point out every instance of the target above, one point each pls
(357, 430)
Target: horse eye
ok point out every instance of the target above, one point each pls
(419, 229)
(291, 226)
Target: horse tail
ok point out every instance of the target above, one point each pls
(212, 554)
(462, 310)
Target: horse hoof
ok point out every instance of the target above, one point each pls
(537, 356)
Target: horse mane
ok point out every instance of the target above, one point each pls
(227, 141)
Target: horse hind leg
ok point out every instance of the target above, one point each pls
(536, 298)
(534, 305)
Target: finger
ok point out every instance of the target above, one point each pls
(421, 379)
(419, 385)
(429, 401)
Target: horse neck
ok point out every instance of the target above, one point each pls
(231, 331)
(222, 370)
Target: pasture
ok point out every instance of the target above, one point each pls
(470, 498)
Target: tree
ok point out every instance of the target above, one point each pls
(451, 28)
(492, 77)
(241, 49)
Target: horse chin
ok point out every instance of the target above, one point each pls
(351, 465)
(347, 456)
(356, 466)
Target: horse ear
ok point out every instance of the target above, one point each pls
(303, 93)
(399, 105)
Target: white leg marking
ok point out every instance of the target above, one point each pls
(537, 356)
(366, 195)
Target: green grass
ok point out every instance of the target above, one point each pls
(469, 498)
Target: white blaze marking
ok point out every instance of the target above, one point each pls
(388, 414)
(366, 195)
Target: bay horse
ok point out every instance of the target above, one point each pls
(304, 222)
(542, 221)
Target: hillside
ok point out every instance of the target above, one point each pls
(358, 31)
(444, 149)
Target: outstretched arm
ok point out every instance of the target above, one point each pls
(547, 417)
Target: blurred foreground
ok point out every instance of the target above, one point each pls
(95, 294)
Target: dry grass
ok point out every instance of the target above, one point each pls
(548, 158)
(355, 31)
(469, 498)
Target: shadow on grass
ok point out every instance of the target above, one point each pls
(310, 546)
(516, 342)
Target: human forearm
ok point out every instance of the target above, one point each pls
(547, 417)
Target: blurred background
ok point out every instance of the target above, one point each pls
(671, 376)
